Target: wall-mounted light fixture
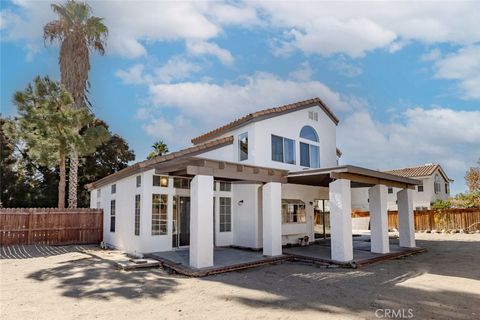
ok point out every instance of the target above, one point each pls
(311, 203)
(240, 203)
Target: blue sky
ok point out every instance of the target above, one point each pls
(403, 78)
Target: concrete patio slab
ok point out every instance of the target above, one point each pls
(225, 259)
(232, 259)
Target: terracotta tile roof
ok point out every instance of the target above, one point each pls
(188, 152)
(420, 171)
(265, 114)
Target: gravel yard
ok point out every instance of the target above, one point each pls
(80, 282)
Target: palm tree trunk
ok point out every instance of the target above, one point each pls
(73, 180)
(61, 183)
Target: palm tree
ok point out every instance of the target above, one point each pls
(159, 149)
(78, 33)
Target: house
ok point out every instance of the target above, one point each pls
(435, 185)
(252, 183)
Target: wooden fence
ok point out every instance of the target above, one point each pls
(450, 219)
(50, 226)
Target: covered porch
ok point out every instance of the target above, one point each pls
(340, 180)
(202, 253)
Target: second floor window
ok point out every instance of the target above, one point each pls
(243, 146)
(283, 149)
(113, 188)
(309, 152)
(390, 190)
(436, 184)
(447, 191)
(420, 188)
(309, 155)
(139, 181)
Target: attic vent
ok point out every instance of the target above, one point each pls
(312, 115)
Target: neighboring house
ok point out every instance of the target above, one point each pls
(251, 183)
(435, 185)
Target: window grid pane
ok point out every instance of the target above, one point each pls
(225, 186)
(137, 214)
(159, 214)
(112, 215)
(225, 214)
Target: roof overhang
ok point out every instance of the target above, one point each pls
(359, 177)
(191, 166)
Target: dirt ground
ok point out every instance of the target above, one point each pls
(66, 283)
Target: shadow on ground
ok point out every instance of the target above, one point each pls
(91, 276)
(443, 283)
(20, 251)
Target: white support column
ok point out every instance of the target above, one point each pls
(272, 218)
(406, 225)
(201, 222)
(341, 220)
(378, 219)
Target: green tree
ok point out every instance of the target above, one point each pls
(78, 32)
(472, 177)
(48, 125)
(109, 158)
(8, 176)
(159, 149)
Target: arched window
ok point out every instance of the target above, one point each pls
(309, 152)
(309, 133)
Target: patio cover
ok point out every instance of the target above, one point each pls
(359, 177)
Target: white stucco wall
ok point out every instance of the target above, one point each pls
(124, 237)
(420, 199)
(287, 126)
(292, 231)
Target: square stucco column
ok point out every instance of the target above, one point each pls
(272, 218)
(406, 225)
(341, 220)
(378, 219)
(201, 222)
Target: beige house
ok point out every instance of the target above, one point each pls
(435, 185)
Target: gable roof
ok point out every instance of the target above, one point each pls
(146, 164)
(419, 171)
(265, 114)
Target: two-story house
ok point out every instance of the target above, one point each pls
(251, 183)
(435, 185)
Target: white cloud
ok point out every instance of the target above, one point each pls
(176, 68)
(464, 66)
(431, 55)
(303, 73)
(438, 135)
(207, 48)
(345, 68)
(216, 103)
(355, 28)
(168, 130)
(134, 75)
(132, 24)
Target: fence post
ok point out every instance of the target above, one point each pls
(30, 232)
